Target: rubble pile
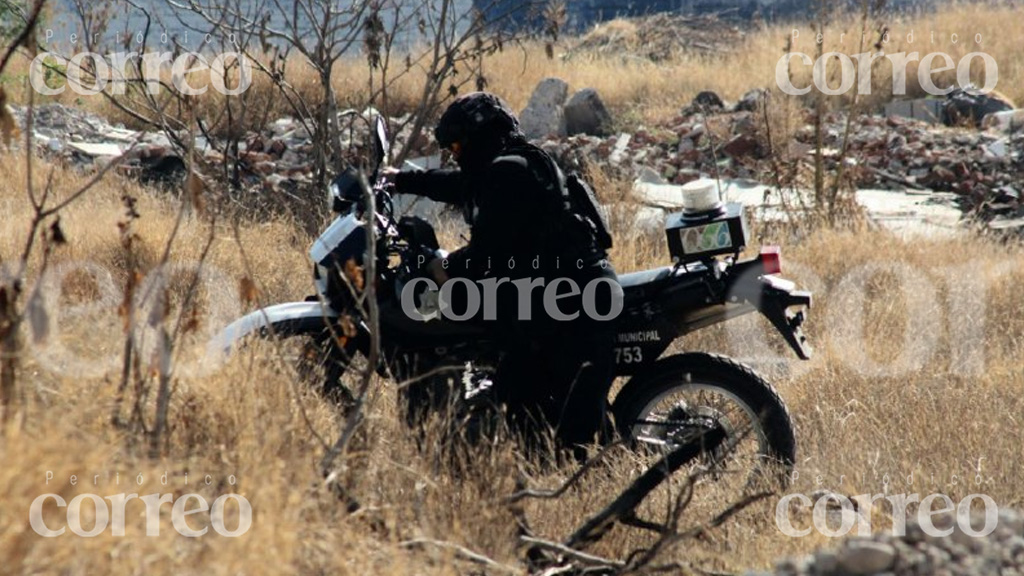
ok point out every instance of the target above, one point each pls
(659, 37)
(917, 553)
(983, 168)
(277, 159)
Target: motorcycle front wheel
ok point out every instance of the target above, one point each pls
(310, 347)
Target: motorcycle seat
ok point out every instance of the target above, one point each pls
(635, 279)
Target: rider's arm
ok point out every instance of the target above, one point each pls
(439, 185)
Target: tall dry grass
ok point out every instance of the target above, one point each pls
(251, 422)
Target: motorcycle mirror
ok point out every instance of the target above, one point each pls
(346, 189)
(382, 147)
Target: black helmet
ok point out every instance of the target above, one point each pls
(476, 116)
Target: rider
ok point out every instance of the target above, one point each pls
(553, 371)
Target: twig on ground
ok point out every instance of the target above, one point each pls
(461, 552)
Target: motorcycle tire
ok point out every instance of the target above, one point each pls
(696, 374)
(309, 345)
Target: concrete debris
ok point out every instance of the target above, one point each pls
(912, 175)
(751, 101)
(545, 115)
(1008, 121)
(278, 158)
(915, 552)
(928, 110)
(924, 167)
(94, 150)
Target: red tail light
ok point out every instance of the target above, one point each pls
(771, 260)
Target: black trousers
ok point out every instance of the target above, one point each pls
(559, 382)
(558, 374)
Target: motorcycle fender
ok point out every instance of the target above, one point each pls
(777, 302)
(297, 316)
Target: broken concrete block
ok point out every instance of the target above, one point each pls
(96, 149)
(1008, 121)
(925, 109)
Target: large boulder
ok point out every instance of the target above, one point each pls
(586, 114)
(545, 115)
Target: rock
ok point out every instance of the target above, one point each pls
(996, 149)
(1008, 121)
(586, 114)
(619, 152)
(924, 109)
(649, 175)
(744, 123)
(277, 148)
(969, 106)
(866, 557)
(685, 145)
(545, 115)
(751, 101)
(707, 101)
(742, 145)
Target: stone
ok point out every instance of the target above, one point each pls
(996, 149)
(586, 114)
(685, 145)
(545, 115)
(744, 123)
(277, 148)
(742, 145)
(619, 152)
(751, 101)
(649, 175)
(1008, 121)
(967, 106)
(863, 557)
(707, 101)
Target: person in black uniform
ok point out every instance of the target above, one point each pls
(553, 372)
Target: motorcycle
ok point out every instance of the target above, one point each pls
(668, 402)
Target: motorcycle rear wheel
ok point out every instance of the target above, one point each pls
(682, 397)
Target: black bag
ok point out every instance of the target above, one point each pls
(581, 219)
(584, 203)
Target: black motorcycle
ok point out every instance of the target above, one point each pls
(668, 402)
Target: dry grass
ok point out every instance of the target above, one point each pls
(251, 420)
(892, 392)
